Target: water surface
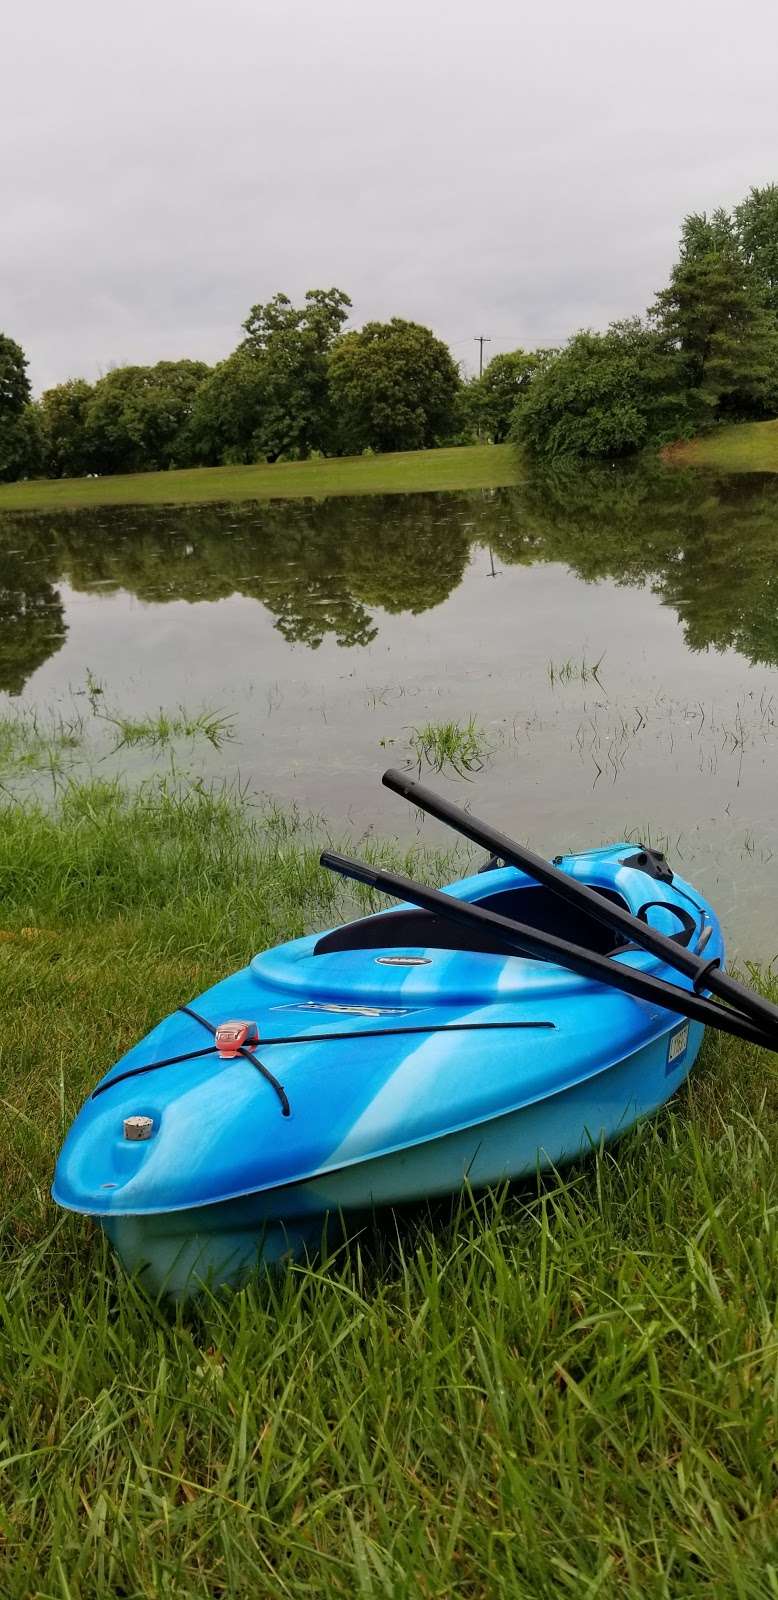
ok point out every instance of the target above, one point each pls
(329, 631)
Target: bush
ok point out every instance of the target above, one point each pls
(609, 394)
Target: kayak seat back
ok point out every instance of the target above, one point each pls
(537, 907)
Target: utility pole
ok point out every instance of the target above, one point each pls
(481, 339)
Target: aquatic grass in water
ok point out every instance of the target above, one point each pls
(165, 727)
(30, 743)
(461, 746)
(566, 1389)
(575, 671)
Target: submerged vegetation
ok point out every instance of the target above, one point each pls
(564, 1389)
(571, 671)
(165, 727)
(31, 742)
(461, 747)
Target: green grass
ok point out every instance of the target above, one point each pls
(744, 447)
(567, 1390)
(29, 744)
(460, 747)
(463, 467)
(571, 671)
(164, 727)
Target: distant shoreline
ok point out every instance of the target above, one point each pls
(743, 447)
(486, 466)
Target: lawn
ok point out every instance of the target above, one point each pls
(570, 1389)
(465, 467)
(744, 447)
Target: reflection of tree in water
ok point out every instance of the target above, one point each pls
(317, 568)
(708, 547)
(32, 624)
(410, 555)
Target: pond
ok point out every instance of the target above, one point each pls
(613, 636)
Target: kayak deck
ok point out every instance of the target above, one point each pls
(385, 1048)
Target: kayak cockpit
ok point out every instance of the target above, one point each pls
(409, 928)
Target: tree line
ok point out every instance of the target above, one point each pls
(298, 385)
(705, 352)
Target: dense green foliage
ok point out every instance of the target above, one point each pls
(757, 225)
(561, 1391)
(709, 352)
(492, 399)
(140, 417)
(608, 394)
(713, 312)
(294, 387)
(393, 387)
(19, 445)
(289, 347)
(227, 412)
(66, 444)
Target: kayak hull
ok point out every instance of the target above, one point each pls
(176, 1253)
(397, 1059)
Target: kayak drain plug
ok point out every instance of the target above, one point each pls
(138, 1127)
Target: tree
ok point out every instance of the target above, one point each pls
(492, 399)
(757, 223)
(393, 386)
(62, 417)
(713, 314)
(18, 433)
(228, 410)
(290, 345)
(139, 419)
(607, 394)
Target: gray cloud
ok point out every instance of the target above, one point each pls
(480, 167)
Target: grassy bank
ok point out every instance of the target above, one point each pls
(466, 467)
(745, 447)
(568, 1390)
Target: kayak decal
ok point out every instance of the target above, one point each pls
(343, 1009)
(403, 961)
(676, 1047)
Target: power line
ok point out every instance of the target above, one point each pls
(481, 339)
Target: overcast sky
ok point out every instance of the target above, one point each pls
(483, 166)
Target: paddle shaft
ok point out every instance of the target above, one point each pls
(704, 974)
(518, 939)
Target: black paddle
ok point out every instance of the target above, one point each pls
(704, 974)
(518, 939)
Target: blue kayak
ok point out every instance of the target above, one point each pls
(392, 1059)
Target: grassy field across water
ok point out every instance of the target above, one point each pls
(744, 447)
(483, 466)
(567, 1389)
